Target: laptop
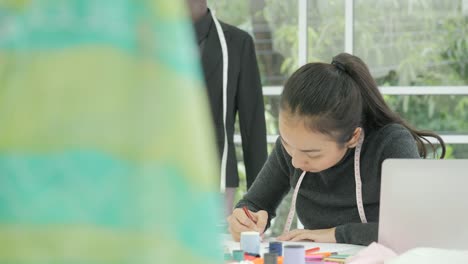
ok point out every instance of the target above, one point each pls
(424, 203)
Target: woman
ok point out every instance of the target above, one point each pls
(335, 132)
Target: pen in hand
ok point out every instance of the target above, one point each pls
(246, 211)
(249, 215)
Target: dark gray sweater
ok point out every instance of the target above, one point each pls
(328, 199)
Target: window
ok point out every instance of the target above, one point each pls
(417, 52)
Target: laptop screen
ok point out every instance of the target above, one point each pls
(424, 203)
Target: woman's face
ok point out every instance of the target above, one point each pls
(310, 151)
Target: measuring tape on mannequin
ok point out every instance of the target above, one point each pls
(222, 42)
(357, 178)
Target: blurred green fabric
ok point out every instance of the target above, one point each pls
(106, 150)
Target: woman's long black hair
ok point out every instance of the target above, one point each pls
(341, 96)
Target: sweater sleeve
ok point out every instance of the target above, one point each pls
(398, 143)
(270, 186)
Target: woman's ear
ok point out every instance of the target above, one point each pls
(355, 138)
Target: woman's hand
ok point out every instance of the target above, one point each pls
(319, 235)
(240, 222)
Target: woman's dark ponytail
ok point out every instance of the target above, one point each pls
(376, 112)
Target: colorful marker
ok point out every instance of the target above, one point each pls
(311, 250)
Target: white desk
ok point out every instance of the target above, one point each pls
(230, 245)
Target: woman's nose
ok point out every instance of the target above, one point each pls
(299, 162)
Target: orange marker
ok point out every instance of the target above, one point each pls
(324, 254)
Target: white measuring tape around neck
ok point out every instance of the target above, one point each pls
(222, 42)
(357, 178)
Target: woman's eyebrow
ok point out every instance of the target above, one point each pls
(302, 150)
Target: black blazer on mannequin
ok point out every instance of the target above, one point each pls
(244, 96)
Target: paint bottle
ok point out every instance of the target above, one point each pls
(294, 254)
(270, 258)
(276, 247)
(250, 242)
